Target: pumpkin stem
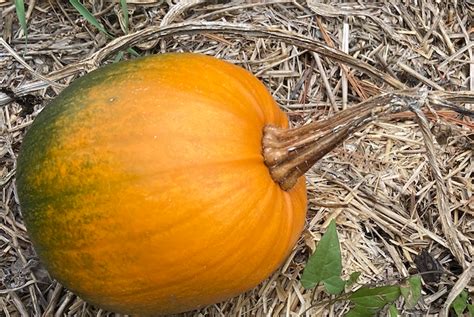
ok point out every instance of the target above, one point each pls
(289, 153)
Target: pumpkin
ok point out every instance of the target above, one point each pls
(171, 182)
(145, 189)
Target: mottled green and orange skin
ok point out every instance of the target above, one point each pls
(144, 190)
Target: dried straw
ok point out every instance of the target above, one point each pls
(397, 187)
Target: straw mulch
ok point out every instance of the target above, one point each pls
(402, 199)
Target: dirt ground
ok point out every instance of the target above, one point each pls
(398, 209)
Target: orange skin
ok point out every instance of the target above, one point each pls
(144, 189)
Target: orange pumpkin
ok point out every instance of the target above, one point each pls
(144, 188)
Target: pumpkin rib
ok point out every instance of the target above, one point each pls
(270, 185)
(207, 101)
(249, 160)
(291, 223)
(276, 198)
(184, 278)
(155, 174)
(247, 84)
(248, 89)
(226, 80)
(97, 205)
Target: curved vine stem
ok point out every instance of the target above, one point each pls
(158, 32)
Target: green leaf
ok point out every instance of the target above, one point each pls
(118, 57)
(368, 301)
(470, 309)
(392, 309)
(411, 291)
(360, 311)
(460, 303)
(89, 16)
(376, 297)
(353, 278)
(133, 52)
(123, 4)
(20, 12)
(334, 285)
(325, 264)
(92, 20)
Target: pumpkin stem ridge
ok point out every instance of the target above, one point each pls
(289, 153)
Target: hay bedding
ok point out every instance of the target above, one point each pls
(379, 185)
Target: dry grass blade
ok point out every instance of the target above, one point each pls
(175, 11)
(25, 64)
(322, 71)
(464, 280)
(418, 76)
(369, 11)
(178, 9)
(354, 83)
(339, 9)
(450, 231)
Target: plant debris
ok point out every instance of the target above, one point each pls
(393, 188)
